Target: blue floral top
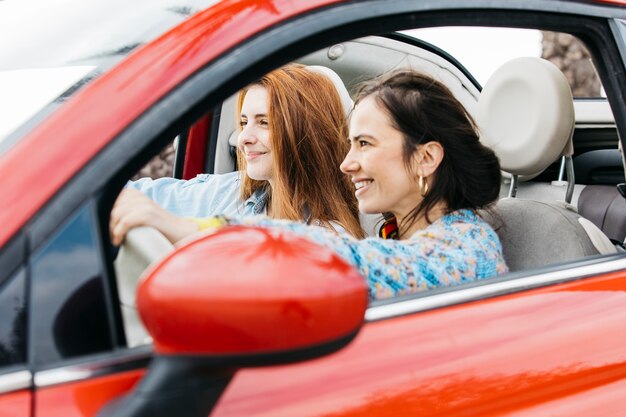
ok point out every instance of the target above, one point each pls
(456, 248)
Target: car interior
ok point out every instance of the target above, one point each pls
(559, 156)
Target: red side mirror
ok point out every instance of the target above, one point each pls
(248, 291)
(242, 297)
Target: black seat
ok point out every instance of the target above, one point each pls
(606, 208)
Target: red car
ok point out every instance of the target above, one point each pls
(302, 340)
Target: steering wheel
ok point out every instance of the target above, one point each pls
(142, 247)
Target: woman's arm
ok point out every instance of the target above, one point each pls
(435, 257)
(204, 195)
(134, 209)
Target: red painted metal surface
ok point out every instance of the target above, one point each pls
(615, 2)
(547, 352)
(195, 151)
(16, 404)
(84, 398)
(237, 299)
(62, 144)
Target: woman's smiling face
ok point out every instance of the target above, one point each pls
(254, 140)
(376, 164)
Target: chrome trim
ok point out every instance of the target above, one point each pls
(488, 290)
(96, 368)
(15, 381)
(513, 187)
(595, 126)
(562, 170)
(571, 180)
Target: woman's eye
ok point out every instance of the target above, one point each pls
(264, 122)
(363, 143)
(243, 123)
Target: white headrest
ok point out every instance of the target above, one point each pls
(526, 115)
(346, 100)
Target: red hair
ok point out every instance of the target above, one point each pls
(308, 133)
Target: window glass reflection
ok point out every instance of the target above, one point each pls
(13, 319)
(68, 300)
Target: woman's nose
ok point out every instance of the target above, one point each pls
(246, 137)
(349, 164)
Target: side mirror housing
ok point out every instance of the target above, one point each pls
(244, 296)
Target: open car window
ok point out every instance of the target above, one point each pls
(465, 71)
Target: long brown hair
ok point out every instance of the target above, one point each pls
(308, 132)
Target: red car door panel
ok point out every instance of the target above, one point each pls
(16, 404)
(83, 398)
(545, 350)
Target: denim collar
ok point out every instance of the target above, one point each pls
(258, 201)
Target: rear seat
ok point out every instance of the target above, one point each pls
(599, 203)
(606, 208)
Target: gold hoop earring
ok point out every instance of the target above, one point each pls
(423, 185)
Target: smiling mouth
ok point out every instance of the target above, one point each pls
(254, 155)
(361, 186)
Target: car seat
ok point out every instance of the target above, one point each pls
(606, 208)
(142, 247)
(526, 114)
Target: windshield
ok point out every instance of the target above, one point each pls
(48, 46)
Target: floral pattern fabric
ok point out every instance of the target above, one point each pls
(457, 248)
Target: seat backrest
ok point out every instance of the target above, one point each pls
(526, 114)
(606, 208)
(535, 233)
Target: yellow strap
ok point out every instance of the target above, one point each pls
(209, 222)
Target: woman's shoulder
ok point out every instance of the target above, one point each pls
(228, 177)
(464, 219)
(459, 225)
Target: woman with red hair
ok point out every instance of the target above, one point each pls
(292, 138)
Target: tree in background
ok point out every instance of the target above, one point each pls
(571, 57)
(161, 165)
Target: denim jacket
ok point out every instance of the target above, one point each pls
(203, 196)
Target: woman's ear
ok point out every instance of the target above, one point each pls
(428, 157)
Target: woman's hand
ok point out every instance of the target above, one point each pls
(134, 209)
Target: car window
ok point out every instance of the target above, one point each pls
(353, 63)
(481, 50)
(161, 165)
(13, 323)
(69, 317)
